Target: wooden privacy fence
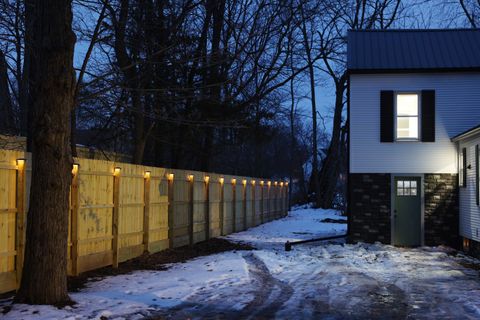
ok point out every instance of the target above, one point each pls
(118, 211)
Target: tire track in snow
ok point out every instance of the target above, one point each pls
(265, 304)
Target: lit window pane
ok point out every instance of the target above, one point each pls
(400, 191)
(407, 105)
(407, 184)
(407, 127)
(414, 191)
(400, 184)
(413, 184)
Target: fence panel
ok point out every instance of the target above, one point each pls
(228, 206)
(181, 209)
(8, 216)
(131, 211)
(239, 208)
(200, 207)
(215, 201)
(158, 215)
(95, 214)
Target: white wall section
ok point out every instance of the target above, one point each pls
(457, 109)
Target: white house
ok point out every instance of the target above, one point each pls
(410, 93)
(469, 187)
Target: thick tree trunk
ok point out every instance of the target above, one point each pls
(331, 166)
(44, 279)
(311, 74)
(6, 111)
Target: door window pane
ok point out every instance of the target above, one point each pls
(407, 188)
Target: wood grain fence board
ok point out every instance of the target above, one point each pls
(114, 218)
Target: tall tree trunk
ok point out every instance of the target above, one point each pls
(331, 166)
(311, 74)
(25, 97)
(214, 81)
(6, 120)
(292, 136)
(44, 279)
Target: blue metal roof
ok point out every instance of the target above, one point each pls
(421, 50)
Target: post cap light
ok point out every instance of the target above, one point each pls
(244, 182)
(170, 176)
(75, 168)
(269, 183)
(281, 184)
(190, 177)
(286, 183)
(262, 182)
(147, 174)
(253, 182)
(207, 178)
(116, 171)
(21, 161)
(275, 183)
(222, 180)
(234, 181)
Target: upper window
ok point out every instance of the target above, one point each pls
(407, 116)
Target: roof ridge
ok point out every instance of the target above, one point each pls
(415, 30)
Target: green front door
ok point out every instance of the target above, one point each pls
(407, 213)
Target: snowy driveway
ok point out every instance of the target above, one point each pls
(316, 281)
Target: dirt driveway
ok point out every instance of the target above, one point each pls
(337, 281)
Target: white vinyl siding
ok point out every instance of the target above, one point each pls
(457, 108)
(469, 211)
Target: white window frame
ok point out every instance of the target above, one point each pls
(419, 113)
(462, 170)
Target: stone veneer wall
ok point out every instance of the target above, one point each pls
(441, 217)
(369, 206)
(473, 248)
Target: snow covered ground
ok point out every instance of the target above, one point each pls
(320, 280)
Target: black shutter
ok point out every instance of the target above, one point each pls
(464, 173)
(428, 116)
(386, 116)
(477, 175)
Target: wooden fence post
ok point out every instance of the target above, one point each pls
(222, 205)
(116, 212)
(234, 204)
(20, 204)
(244, 204)
(146, 211)
(254, 209)
(287, 198)
(261, 202)
(207, 207)
(282, 199)
(190, 209)
(170, 178)
(275, 200)
(74, 218)
(269, 201)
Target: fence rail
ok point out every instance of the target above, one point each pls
(118, 211)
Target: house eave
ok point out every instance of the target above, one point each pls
(472, 132)
(414, 70)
